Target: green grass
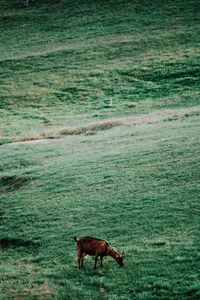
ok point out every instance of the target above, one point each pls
(127, 173)
(135, 186)
(62, 61)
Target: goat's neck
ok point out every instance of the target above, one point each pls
(112, 252)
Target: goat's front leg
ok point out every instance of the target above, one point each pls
(101, 257)
(79, 263)
(95, 262)
(80, 260)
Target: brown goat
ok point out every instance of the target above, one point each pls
(95, 247)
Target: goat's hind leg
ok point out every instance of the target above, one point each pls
(95, 262)
(101, 257)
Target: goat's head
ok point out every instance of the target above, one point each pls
(119, 259)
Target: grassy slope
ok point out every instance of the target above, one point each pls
(63, 61)
(136, 186)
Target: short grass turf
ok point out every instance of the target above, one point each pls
(136, 184)
(61, 61)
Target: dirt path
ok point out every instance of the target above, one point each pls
(92, 128)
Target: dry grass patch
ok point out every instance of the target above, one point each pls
(90, 129)
(56, 134)
(43, 291)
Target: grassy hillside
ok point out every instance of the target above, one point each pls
(136, 186)
(126, 172)
(61, 61)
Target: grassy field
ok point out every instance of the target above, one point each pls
(74, 165)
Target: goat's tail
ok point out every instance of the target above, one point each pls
(75, 238)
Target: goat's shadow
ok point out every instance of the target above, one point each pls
(88, 269)
(73, 271)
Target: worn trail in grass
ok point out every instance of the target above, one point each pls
(93, 128)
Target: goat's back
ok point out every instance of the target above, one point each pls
(92, 246)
